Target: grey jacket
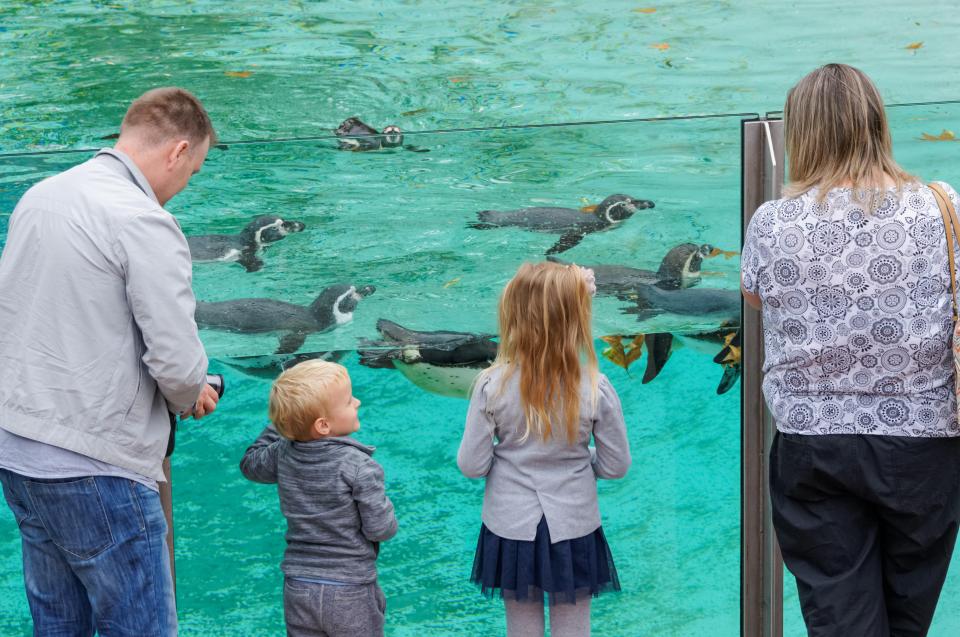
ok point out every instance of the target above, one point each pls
(96, 309)
(530, 479)
(333, 497)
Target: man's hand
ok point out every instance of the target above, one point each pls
(206, 404)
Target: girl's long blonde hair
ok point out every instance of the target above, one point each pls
(837, 133)
(545, 333)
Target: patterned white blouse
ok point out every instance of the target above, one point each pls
(857, 314)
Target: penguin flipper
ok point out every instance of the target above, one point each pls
(567, 241)
(731, 374)
(659, 347)
(291, 342)
(250, 261)
(553, 259)
(481, 225)
(416, 149)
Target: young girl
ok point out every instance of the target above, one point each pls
(528, 432)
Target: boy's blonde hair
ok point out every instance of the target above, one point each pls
(299, 396)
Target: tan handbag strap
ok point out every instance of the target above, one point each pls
(952, 226)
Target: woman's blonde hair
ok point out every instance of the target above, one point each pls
(837, 133)
(299, 396)
(545, 334)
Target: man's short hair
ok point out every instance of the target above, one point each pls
(169, 112)
(299, 396)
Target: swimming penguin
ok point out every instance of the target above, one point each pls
(650, 300)
(444, 363)
(680, 268)
(243, 247)
(272, 365)
(353, 134)
(572, 225)
(333, 307)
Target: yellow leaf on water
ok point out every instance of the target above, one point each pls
(660, 46)
(241, 74)
(418, 111)
(457, 80)
(913, 46)
(620, 356)
(944, 136)
(645, 10)
(451, 282)
(716, 252)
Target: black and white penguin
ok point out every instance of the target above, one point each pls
(444, 363)
(353, 134)
(572, 225)
(680, 268)
(649, 300)
(244, 247)
(333, 307)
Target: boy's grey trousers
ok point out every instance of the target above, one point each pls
(331, 610)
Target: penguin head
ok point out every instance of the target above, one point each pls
(269, 228)
(392, 137)
(680, 267)
(336, 304)
(616, 208)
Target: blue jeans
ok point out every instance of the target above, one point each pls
(94, 556)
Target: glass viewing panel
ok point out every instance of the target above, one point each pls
(401, 222)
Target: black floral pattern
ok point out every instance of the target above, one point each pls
(857, 321)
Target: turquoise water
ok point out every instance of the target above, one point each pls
(397, 220)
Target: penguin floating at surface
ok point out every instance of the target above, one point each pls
(333, 307)
(352, 134)
(572, 225)
(444, 363)
(680, 268)
(244, 247)
(272, 365)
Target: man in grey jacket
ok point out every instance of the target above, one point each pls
(98, 345)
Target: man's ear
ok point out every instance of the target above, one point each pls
(177, 151)
(321, 427)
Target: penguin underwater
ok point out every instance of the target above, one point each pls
(245, 246)
(680, 268)
(444, 363)
(352, 134)
(334, 306)
(572, 225)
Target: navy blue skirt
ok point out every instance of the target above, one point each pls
(525, 570)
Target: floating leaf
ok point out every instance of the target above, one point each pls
(944, 136)
(418, 111)
(457, 80)
(660, 46)
(620, 356)
(913, 46)
(645, 10)
(241, 74)
(730, 354)
(451, 282)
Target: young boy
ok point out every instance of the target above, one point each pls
(332, 495)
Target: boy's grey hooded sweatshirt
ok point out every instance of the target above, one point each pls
(333, 497)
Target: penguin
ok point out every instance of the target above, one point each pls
(444, 363)
(572, 225)
(243, 247)
(353, 134)
(680, 268)
(333, 307)
(649, 301)
(270, 366)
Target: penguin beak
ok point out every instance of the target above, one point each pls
(366, 290)
(642, 204)
(294, 226)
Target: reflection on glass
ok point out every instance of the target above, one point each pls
(391, 262)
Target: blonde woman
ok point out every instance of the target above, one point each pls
(528, 430)
(850, 270)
